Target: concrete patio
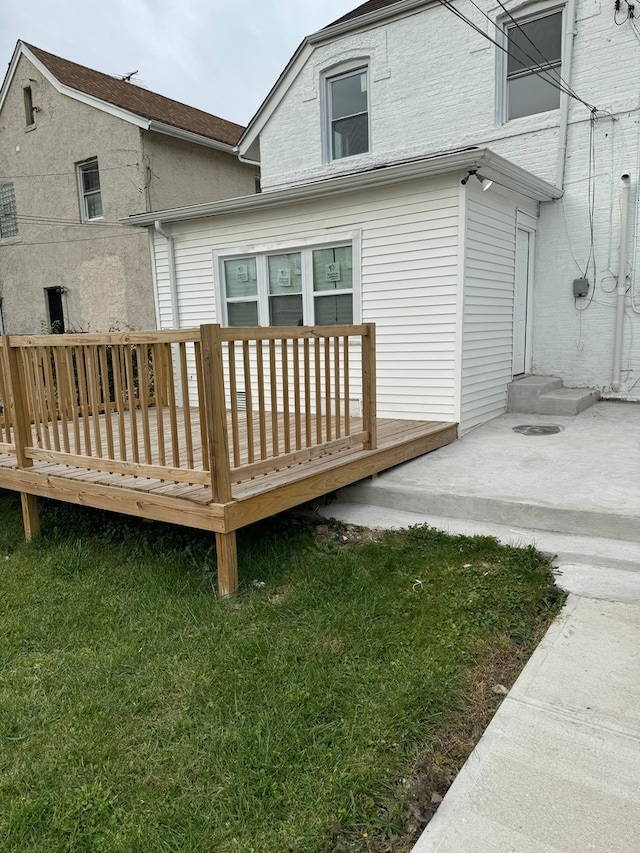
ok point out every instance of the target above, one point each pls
(558, 769)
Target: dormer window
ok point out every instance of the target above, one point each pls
(348, 113)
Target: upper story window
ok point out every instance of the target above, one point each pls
(8, 211)
(534, 65)
(89, 186)
(348, 113)
(306, 287)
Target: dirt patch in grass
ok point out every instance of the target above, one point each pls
(401, 816)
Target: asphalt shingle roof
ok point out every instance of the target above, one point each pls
(133, 98)
(371, 6)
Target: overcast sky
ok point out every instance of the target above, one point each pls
(222, 56)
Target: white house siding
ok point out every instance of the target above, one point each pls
(435, 78)
(409, 272)
(488, 303)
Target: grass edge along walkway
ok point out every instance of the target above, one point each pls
(327, 709)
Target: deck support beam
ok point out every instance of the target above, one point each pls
(30, 516)
(227, 559)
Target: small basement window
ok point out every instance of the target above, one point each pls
(55, 309)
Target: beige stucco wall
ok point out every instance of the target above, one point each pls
(104, 269)
(180, 173)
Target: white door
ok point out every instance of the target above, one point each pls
(524, 241)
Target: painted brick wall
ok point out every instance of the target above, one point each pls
(433, 88)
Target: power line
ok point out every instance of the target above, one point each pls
(537, 69)
(64, 242)
(46, 220)
(63, 174)
(516, 24)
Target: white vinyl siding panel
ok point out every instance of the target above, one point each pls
(488, 306)
(409, 273)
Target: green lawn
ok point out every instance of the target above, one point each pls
(319, 711)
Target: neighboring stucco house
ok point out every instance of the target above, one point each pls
(377, 147)
(79, 150)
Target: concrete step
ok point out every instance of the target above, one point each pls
(567, 401)
(546, 395)
(575, 551)
(523, 514)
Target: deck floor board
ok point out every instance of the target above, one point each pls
(398, 441)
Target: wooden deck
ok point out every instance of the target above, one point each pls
(212, 428)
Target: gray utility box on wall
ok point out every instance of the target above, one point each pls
(580, 287)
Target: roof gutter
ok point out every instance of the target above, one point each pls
(492, 166)
(188, 136)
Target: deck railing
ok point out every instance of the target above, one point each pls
(209, 407)
(7, 444)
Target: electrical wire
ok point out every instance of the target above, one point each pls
(591, 205)
(564, 86)
(536, 68)
(516, 24)
(64, 242)
(635, 29)
(73, 223)
(62, 174)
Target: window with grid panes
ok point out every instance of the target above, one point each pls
(312, 286)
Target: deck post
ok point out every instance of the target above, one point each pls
(215, 409)
(216, 412)
(369, 387)
(227, 562)
(22, 438)
(30, 516)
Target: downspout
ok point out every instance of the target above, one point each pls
(173, 284)
(621, 289)
(567, 56)
(175, 311)
(247, 161)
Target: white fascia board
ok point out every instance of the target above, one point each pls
(484, 160)
(306, 48)
(98, 104)
(273, 99)
(106, 107)
(189, 136)
(11, 70)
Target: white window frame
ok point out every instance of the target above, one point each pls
(523, 15)
(261, 252)
(83, 195)
(345, 69)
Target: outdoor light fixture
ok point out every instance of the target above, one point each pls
(486, 183)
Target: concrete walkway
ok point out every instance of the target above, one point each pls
(558, 768)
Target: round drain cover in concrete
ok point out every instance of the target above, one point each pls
(538, 429)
